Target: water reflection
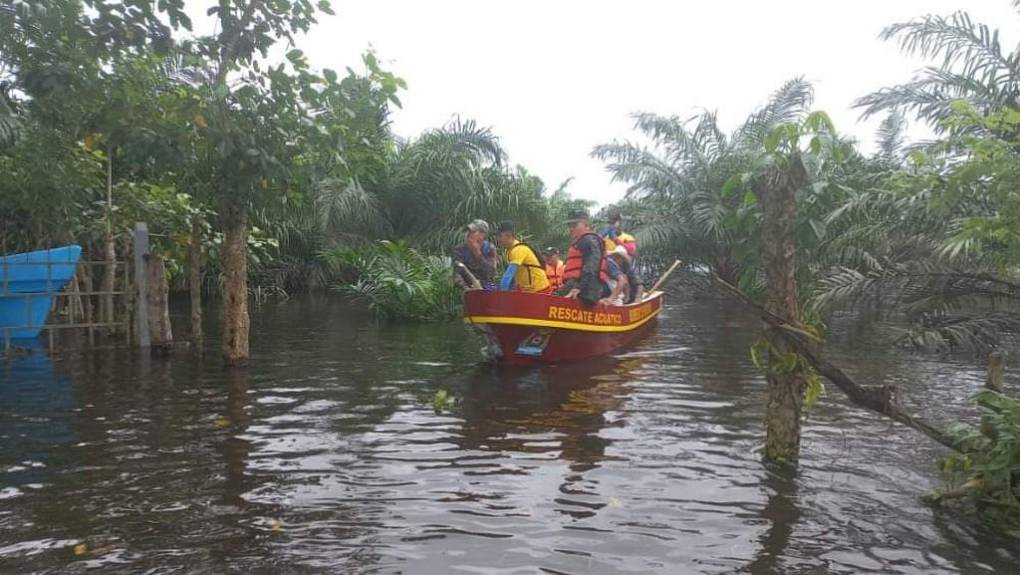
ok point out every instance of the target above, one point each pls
(234, 448)
(780, 514)
(555, 412)
(326, 454)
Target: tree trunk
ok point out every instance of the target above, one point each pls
(882, 399)
(106, 309)
(157, 298)
(777, 196)
(85, 287)
(236, 323)
(195, 287)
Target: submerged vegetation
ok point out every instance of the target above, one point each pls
(397, 281)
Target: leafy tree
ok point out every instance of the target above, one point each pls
(691, 183)
(742, 205)
(938, 240)
(971, 66)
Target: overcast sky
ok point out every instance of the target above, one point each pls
(555, 78)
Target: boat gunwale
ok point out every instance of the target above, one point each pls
(567, 325)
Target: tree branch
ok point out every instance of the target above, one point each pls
(881, 399)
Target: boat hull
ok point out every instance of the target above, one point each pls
(527, 329)
(28, 284)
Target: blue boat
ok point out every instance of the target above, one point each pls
(28, 284)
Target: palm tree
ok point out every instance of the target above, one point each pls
(972, 66)
(683, 179)
(431, 186)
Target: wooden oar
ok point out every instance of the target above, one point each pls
(474, 281)
(663, 278)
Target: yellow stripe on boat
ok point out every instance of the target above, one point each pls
(578, 326)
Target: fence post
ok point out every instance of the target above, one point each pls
(996, 371)
(141, 245)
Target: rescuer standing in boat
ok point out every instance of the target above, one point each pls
(586, 272)
(524, 270)
(477, 256)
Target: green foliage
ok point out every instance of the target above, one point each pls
(989, 463)
(938, 239)
(766, 358)
(691, 187)
(397, 282)
(971, 66)
(442, 401)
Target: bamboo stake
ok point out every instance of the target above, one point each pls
(663, 278)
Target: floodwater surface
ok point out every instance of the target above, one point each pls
(327, 454)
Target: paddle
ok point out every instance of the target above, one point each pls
(475, 284)
(662, 279)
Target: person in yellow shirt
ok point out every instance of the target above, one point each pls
(524, 270)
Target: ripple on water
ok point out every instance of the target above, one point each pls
(326, 454)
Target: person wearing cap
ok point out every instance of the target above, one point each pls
(476, 256)
(524, 270)
(615, 236)
(553, 268)
(586, 270)
(629, 288)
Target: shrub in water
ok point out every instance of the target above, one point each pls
(397, 282)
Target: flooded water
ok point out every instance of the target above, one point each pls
(327, 455)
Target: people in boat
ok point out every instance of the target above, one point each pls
(615, 236)
(475, 258)
(553, 268)
(629, 287)
(524, 270)
(586, 269)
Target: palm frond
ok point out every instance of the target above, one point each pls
(891, 136)
(346, 209)
(788, 104)
(971, 66)
(955, 39)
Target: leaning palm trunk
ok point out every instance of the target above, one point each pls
(776, 194)
(236, 323)
(195, 286)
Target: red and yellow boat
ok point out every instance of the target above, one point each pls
(528, 328)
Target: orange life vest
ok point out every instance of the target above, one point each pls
(555, 275)
(575, 260)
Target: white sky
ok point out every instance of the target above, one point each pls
(554, 78)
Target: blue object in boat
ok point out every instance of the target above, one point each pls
(28, 284)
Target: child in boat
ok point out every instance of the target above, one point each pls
(554, 268)
(629, 288)
(615, 236)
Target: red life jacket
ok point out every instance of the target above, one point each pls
(572, 265)
(555, 275)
